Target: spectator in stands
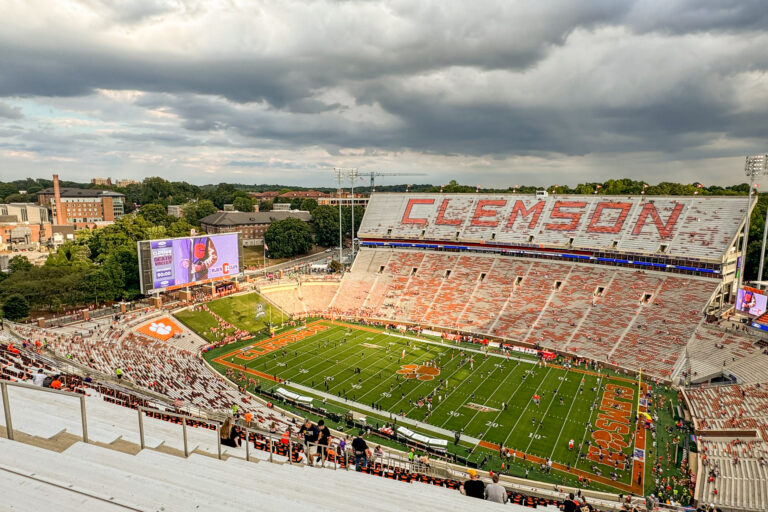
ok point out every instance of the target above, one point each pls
(39, 377)
(584, 506)
(378, 453)
(361, 451)
(569, 505)
(56, 382)
(495, 492)
(230, 435)
(310, 433)
(323, 438)
(474, 487)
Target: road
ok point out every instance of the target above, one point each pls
(324, 257)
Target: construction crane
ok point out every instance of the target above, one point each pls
(373, 174)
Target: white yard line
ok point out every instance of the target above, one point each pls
(509, 400)
(546, 413)
(509, 374)
(526, 407)
(568, 415)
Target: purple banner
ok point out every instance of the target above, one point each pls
(182, 261)
(751, 302)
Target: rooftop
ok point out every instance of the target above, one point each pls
(246, 218)
(81, 192)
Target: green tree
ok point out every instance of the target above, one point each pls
(155, 190)
(309, 204)
(243, 204)
(97, 285)
(155, 214)
(179, 228)
(346, 213)
(193, 212)
(15, 307)
(265, 206)
(335, 266)
(19, 264)
(287, 238)
(325, 221)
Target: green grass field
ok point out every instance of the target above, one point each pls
(465, 396)
(238, 310)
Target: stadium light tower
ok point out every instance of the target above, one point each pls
(339, 173)
(353, 174)
(760, 163)
(755, 166)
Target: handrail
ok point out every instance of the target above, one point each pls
(7, 406)
(184, 419)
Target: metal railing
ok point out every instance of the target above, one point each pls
(7, 405)
(183, 417)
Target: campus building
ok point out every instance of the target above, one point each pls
(24, 224)
(81, 206)
(251, 225)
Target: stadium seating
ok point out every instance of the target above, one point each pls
(301, 297)
(150, 364)
(693, 227)
(739, 407)
(738, 473)
(635, 319)
(735, 466)
(99, 477)
(715, 352)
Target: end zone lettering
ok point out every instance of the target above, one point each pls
(272, 344)
(613, 423)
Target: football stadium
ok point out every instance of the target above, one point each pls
(600, 346)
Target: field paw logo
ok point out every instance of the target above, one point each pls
(416, 371)
(160, 328)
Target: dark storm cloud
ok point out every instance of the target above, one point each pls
(74, 66)
(686, 16)
(499, 79)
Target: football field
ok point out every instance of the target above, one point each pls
(510, 400)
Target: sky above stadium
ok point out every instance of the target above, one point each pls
(494, 93)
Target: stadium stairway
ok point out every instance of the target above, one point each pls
(51, 467)
(89, 477)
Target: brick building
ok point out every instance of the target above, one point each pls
(251, 225)
(24, 224)
(81, 206)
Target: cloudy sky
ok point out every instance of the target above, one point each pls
(485, 92)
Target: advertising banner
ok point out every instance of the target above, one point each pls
(182, 261)
(748, 301)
